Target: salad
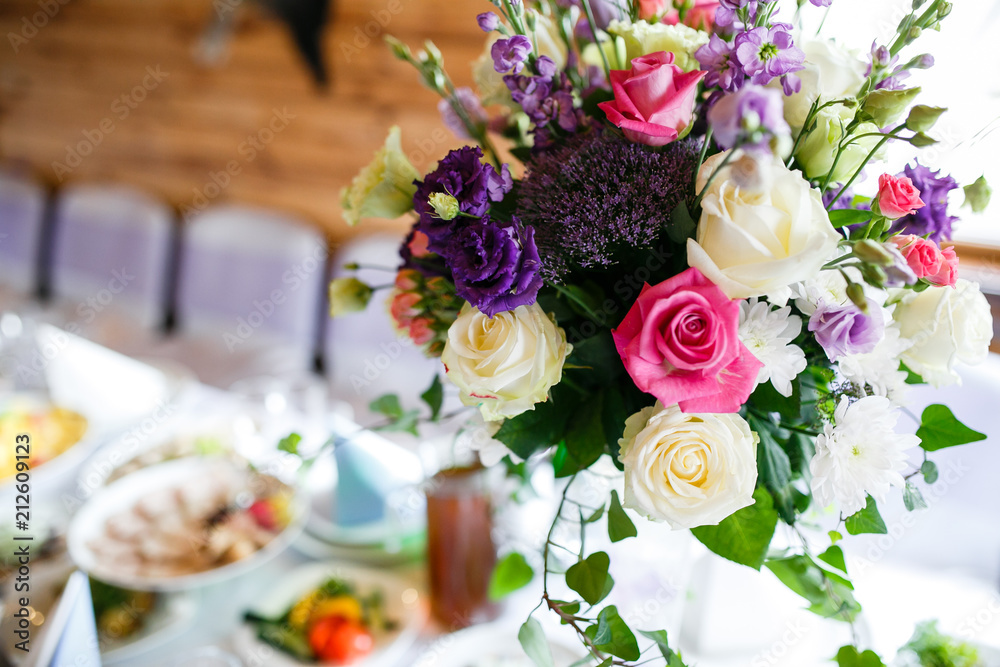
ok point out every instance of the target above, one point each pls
(53, 430)
(331, 624)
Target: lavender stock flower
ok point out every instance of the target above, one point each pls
(510, 53)
(933, 218)
(750, 117)
(726, 13)
(768, 53)
(470, 104)
(843, 330)
(717, 58)
(495, 268)
(488, 21)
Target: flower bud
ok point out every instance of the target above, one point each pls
(856, 294)
(914, 33)
(881, 57)
(921, 140)
(922, 117)
(348, 295)
(874, 253)
(885, 106)
(444, 205)
(488, 21)
(944, 9)
(400, 50)
(977, 195)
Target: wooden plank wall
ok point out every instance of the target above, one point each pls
(62, 88)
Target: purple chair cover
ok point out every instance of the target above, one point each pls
(22, 212)
(112, 253)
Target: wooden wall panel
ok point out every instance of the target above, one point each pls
(70, 77)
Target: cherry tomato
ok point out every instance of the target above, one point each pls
(339, 640)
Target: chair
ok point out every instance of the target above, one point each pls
(22, 219)
(111, 262)
(248, 294)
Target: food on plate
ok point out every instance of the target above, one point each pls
(331, 624)
(52, 431)
(202, 444)
(120, 613)
(212, 519)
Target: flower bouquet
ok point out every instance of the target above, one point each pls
(662, 249)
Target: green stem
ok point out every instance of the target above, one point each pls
(597, 41)
(708, 183)
(575, 299)
(864, 163)
(701, 155)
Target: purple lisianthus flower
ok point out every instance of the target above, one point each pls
(933, 218)
(899, 274)
(845, 200)
(510, 53)
(488, 21)
(473, 184)
(843, 330)
(767, 53)
(470, 104)
(495, 267)
(717, 58)
(750, 117)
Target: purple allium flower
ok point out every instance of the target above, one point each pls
(510, 53)
(767, 53)
(750, 117)
(494, 267)
(843, 330)
(488, 21)
(473, 109)
(933, 218)
(717, 58)
(597, 199)
(462, 175)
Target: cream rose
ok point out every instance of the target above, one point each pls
(945, 325)
(685, 469)
(642, 38)
(505, 364)
(384, 188)
(818, 149)
(830, 73)
(754, 242)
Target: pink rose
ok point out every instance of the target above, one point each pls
(654, 100)
(403, 308)
(935, 265)
(651, 8)
(420, 331)
(897, 196)
(680, 343)
(699, 17)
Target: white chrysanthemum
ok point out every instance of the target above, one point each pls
(768, 334)
(860, 455)
(879, 369)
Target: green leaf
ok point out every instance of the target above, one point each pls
(765, 397)
(620, 526)
(585, 441)
(433, 397)
(590, 578)
(535, 429)
(660, 637)
(835, 536)
(743, 537)
(406, 422)
(612, 635)
(572, 608)
(834, 556)
(911, 377)
(848, 656)
(939, 429)
(912, 498)
(534, 643)
(388, 405)
(773, 465)
(682, 225)
(827, 595)
(290, 443)
(510, 574)
(842, 217)
(929, 470)
(595, 515)
(867, 520)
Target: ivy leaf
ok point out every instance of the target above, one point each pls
(388, 405)
(929, 470)
(827, 595)
(590, 578)
(743, 537)
(534, 643)
(765, 397)
(510, 574)
(595, 515)
(848, 656)
(535, 429)
(773, 464)
(682, 226)
(585, 441)
(290, 443)
(939, 429)
(572, 608)
(912, 498)
(660, 637)
(433, 397)
(867, 520)
(620, 526)
(843, 217)
(612, 635)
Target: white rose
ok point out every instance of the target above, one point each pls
(688, 469)
(642, 38)
(505, 364)
(758, 242)
(817, 151)
(946, 325)
(830, 73)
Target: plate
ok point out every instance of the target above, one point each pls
(89, 525)
(403, 603)
(489, 645)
